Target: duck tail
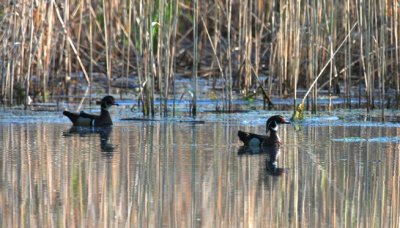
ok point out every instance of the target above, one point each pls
(72, 116)
(66, 113)
(243, 136)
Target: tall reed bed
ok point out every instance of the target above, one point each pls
(278, 45)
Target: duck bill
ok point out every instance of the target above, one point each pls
(286, 122)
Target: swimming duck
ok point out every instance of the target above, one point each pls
(251, 139)
(85, 119)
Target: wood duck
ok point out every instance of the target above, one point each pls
(85, 119)
(272, 137)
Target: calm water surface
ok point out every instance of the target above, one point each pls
(177, 174)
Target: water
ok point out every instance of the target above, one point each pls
(181, 174)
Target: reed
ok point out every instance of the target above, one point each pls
(382, 55)
(195, 55)
(46, 46)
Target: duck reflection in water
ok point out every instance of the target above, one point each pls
(272, 153)
(104, 132)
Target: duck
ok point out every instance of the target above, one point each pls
(272, 137)
(90, 120)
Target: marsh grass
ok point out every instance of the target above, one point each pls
(282, 44)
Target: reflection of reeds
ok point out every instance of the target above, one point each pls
(174, 176)
(46, 45)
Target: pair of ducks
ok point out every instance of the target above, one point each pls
(249, 139)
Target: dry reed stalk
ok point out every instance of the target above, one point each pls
(65, 58)
(241, 48)
(49, 38)
(228, 74)
(348, 57)
(315, 48)
(90, 40)
(148, 59)
(166, 35)
(107, 44)
(168, 54)
(152, 67)
(382, 47)
(158, 26)
(310, 46)
(395, 34)
(365, 28)
(248, 43)
(332, 34)
(283, 48)
(169, 46)
(10, 67)
(137, 34)
(252, 24)
(28, 74)
(296, 43)
(195, 55)
(80, 10)
(173, 59)
(128, 24)
(145, 62)
(258, 18)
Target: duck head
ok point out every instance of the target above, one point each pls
(274, 121)
(107, 102)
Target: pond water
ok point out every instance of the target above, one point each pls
(173, 173)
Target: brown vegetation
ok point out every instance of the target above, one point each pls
(45, 43)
